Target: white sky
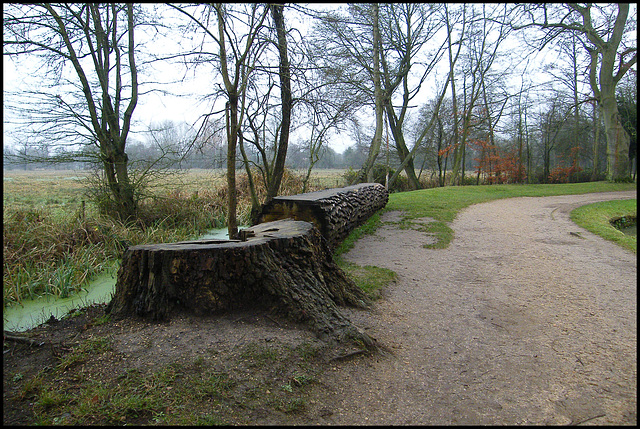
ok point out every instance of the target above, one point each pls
(157, 108)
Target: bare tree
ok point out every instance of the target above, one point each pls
(407, 29)
(366, 172)
(601, 29)
(285, 99)
(236, 55)
(245, 50)
(435, 120)
(348, 47)
(100, 94)
(326, 109)
(483, 42)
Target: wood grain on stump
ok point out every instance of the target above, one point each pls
(282, 265)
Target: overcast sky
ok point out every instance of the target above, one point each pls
(22, 73)
(157, 107)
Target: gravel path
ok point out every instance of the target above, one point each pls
(525, 318)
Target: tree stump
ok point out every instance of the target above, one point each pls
(283, 265)
(335, 212)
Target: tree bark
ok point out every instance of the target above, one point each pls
(286, 101)
(366, 172)
(401, 148)
(617, 139)
(232, 139)
(284, 266)
(596, 142)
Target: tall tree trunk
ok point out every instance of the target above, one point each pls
(617, 139)
(452, 61)
(255, 203)
(287, 103)
(603, 83)
(597, 117)
(438, 156)
(402, 150)
(528, 172)
(366, 172)
(232, 139)
(546, 154)
(576, 112)
(114, 164)
(126, 197)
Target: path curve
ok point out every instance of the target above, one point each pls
(518, 321)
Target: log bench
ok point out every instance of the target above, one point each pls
(335, 212)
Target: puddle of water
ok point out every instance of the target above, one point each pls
(630, 230)
(626, 225)
(218, 234)
(34, 312)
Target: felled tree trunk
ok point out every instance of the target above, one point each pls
(335, 212)
(282, 265)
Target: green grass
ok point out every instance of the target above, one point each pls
(597, 219)
(369, 278)
(443, 205)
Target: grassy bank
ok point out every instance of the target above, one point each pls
(443, 204)
(597, 218)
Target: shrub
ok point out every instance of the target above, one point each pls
(562, 174)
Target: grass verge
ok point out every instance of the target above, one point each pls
(597, 218)
(443, 204)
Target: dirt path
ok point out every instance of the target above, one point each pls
(519, 321)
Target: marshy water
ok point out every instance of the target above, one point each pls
(32, 313)
(626, 225)
(630, 230)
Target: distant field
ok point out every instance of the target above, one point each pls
(62, 191)
(58, 191)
